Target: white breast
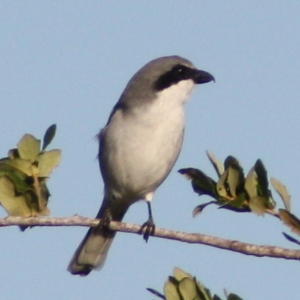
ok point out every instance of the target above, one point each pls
(141, 147)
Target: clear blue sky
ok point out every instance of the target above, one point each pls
(67, 62)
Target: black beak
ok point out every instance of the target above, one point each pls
(202, 77)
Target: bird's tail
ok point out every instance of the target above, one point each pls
(93, 249)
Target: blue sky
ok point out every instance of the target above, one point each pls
(67, 62)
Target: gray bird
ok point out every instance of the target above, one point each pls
(138, 148)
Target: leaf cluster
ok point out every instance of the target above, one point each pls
(23, 175)
(235, 191)
(183, 286)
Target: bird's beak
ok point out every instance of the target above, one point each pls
(203, 77)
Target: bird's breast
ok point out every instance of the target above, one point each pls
(139, 148)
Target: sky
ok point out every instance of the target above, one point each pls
(67, 62)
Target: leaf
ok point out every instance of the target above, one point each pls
(29, 147)
(290, 220)
(171, 291)
(23, 165)
(233, 297)
(236, 177)
(203, 292)
(222, 188)
(218, 166)
(239, 204)
(7, 189)
(26, 203)
(156, 293)
(49, 135)
(15, 206)
(179, 274)
(291, 239)
(231, 161)
(201, 183)
(18, 178)
(282, 192)
(233, 181)
(262, 178)
(198, 209)
(36, 204)
(47, 161)
(188, 289)
(13, 153)
(257, 205)
(270, 202)
(263, 185)
(251, 184)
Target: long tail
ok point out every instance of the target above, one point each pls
(92, 251)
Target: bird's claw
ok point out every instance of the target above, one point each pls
(147, 229)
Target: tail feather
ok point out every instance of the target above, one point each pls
(92, 251)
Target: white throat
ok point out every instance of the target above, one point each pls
(177, 93)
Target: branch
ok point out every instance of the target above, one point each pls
(193, 238)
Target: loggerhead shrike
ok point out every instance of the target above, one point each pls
(138, 147)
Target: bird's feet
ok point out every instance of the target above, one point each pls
(106, 218)
(147, 229)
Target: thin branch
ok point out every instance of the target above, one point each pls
(193, 238)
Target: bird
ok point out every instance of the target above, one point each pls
(138, 148)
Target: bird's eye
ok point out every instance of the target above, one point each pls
(179, 70)
(176, 74)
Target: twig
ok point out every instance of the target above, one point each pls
(193, 238)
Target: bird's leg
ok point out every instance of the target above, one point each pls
(148, 228)
(106, 218)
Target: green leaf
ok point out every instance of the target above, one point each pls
(19, 197)
(23, 165)
(179, 274)
(47, 161)
(37, 204)
(282, 192)
(218, 166)
(262, 178)
(231, 161)
(257, 194)
(13, 153)
(290, 220)
(29, 147)
(222, 188)
(257, 205)
(201, 183)
(239, 204)
(235, 177)
(291, 239)
(7, 189)
(233, 181)
(156, 293)
(188, 289)
(14, 205)
(233, 297)
(49, 135)
(203, 292)
(198, 209)
(183, 286)
(18, 178)
(251, 184)
(171, 291)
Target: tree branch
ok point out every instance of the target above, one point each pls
(193, 238)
